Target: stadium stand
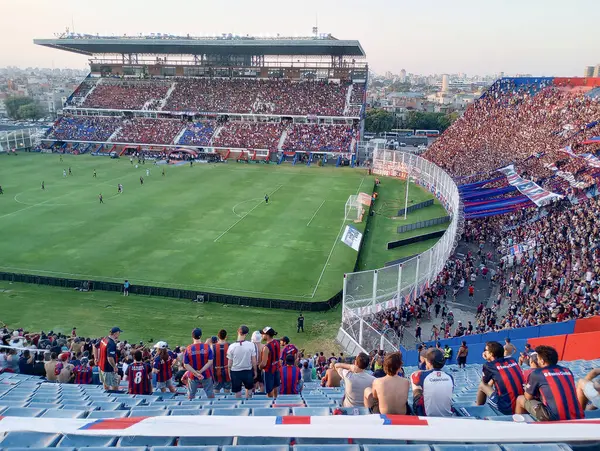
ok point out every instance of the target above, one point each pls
(127, 95)
(332, 138)
(81, 128)
(149, 131)
(248, 135)
(198, 134)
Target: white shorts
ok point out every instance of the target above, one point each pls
(590, 392)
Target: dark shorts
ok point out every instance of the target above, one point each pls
(461, 360)
(272, 381)
(239, 378)
(259, 377)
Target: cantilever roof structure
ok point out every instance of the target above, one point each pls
(90, 45)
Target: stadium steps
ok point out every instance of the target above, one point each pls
(282, 140)
(216, 133)
(348, 97)
(180, 135)
(164, 101)
(115, 134)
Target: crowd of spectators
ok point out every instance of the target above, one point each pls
(149, 131)
(85, 128)
(249, 135)
(198, 133)
(527, 125)
(126, 95)
(327, 138)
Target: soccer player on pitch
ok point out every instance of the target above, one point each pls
(94, 173)
(100, 197)
(43, 186)
(1, 192)
(266, 198)
(141, 180)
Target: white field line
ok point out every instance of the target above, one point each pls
(154, 282)
(313, 216)
(240, 220)
(333, 247)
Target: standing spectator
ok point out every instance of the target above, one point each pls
(83, 372)
(270, 362)
(448, 353)
(198, 361)
(12, 361)
(163, 367)
(331, 377)
(242, 363)
(461, 356)
(291, 379)
(356, 380)
(108, 359)
(588, 390)
(509, 348)
(221, 366)
(432, 388)
(258, 346)
(418, 332)
(288, 349)
(139, 376)
(300, 322)
(388, 394)
(126, 288)
(550, 394)
(502, 380)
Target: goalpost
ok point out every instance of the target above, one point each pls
(353, 210)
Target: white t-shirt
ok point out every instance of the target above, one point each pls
(437, 387)
(240, 355)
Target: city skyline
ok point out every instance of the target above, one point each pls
(441, 37)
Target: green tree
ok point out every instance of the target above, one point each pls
(22, 108)
(378, 120)
(29, 111)
(430, 121)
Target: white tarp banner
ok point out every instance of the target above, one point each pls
(352, 237)
(536, 193)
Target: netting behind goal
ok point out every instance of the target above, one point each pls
(353, 210)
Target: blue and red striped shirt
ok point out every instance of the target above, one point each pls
(197, 355)
(273, 363)
(165, 372)
(220, 363)
(138, 376)
(290, 377)
(508, 383)
(289, 349)
(555, 387)
(83, 374)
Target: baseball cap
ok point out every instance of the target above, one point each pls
(268, 330)
(244, 329)
(115, 329)
(435, 357)
(161, 345)
(214, 339)
(256, 336)
(286, 340)
(197, 333)
(64, 356)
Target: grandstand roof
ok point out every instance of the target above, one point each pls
(191, 46)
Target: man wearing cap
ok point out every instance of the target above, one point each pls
(108, 358)
(241, 360)
(288, 349)
(270, 362)
(64, 368)
(198, 361)
(163, 367)
(432, 388)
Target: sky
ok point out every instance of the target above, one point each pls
(540, 37)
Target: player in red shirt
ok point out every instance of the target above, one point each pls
(139, 376)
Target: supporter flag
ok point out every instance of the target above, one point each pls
(593, 140)
(568, 151)
(568, 176)
(591, 159)
(532, 190)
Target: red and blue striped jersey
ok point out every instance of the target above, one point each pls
(165, 372)
(555, 387)
(273, 363)
(108, 348)
(83, 374)
(289, 349)
(290, 376)
(508, 383)
(197, 355)
(220, 362)
(138, 376)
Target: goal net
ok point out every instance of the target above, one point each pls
(353, 210)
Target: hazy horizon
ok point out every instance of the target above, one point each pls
(468, 36)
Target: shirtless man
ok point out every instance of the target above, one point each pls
(389, 394)
(509, 348)
(331, 378)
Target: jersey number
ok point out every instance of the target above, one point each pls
(138, 377)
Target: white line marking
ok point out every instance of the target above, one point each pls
(313, 216)
(240, 220)
(243, 202)
(154, 282)
(333, 247)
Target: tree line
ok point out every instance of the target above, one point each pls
(23, 108)
(378, 120)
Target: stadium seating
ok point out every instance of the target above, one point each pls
(127, 95)
(83, 128)
(149, 131)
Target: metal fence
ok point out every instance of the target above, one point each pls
(366, 293)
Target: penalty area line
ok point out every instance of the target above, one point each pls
(313, 216)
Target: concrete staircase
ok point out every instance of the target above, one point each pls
(348, 97)
(216, 133)
(282, 139)
(115, 134)
(179, 135)
(163, 102)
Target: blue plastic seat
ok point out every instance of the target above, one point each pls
(355, 410)
(108, 405)
(588, 413)
(271, 412)
(135, 412)
(62, 413)
(204, 441)
(396, 447)
(477, 411)
(44, 405)
(195, 412)
(102, 414)
(87, 441)
(231, 412)
(536, 447)
(322, 445)
(256, 404)
(311, 411)
(185, 448)
(22, 412)
(29, 440)
(470, 447)
(42, 449)
(261, 441)
(146, 441)
(129, 448)
(528, 418)
(256, 448)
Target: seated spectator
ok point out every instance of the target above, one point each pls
(502, 380)
(291, 379)
(356, 380)
(550, 393)
(432, 388)
(331, 378)
(588, 390)
(83, 372)
(533, 364)
(50, 367)
(306, 372)
(64, 369)
(26, 363)
(388, 394)
(525, 356)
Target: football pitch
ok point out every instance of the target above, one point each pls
(205, 227)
